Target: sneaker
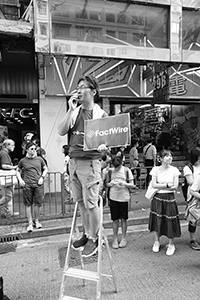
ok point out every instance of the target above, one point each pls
(170, 249)
(156, 247)
(30, 227)
(80, 243)
(10, 215)
(34, 225)
(38, 225)
(194, 245)
(90, 248)
(123, 243)
(115, 244)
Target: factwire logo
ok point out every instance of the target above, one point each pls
(110, 131)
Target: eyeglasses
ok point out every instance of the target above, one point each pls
(82, 87)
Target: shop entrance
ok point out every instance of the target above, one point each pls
(15, 121)
(174, 126)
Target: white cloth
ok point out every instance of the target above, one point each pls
(165, 175)
(97, 113)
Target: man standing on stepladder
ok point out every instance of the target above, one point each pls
(84, 166)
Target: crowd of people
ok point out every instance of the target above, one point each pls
(29, 173)
(103, 172)
(90, 175)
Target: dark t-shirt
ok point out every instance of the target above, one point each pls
(76, 137)
(32, 169)
(5, 158)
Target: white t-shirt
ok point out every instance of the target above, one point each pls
(188, 171)
(165, 175)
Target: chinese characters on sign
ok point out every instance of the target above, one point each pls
(160, 84)
(177, 85)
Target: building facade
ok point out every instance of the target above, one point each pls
(119, 42)
(19, 97)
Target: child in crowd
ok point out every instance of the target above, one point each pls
(119, 180)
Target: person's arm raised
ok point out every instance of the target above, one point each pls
(64, 125)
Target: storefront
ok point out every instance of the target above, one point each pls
(174, 126)
(16, 120)
(19, 104)
(118, 41)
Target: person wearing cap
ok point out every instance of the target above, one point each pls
(40, 151)
(27, 138)
(31, 172)
(84, 166)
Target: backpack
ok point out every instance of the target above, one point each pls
(185, 183)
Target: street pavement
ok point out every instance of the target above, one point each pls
(32, 267)
(33, 271)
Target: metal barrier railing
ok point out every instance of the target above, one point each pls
(56, 202)
(54, 205)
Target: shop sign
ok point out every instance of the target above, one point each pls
(160, 84)
(113, 131)
(15, 112)
(177, 85)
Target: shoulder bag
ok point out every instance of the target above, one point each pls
(150, 191)
(193, 211)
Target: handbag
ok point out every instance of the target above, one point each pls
(151, 191)
(193, 211)
(8, 177)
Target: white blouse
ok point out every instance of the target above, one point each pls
(165, 175)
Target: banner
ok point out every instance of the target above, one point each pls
(113, 131)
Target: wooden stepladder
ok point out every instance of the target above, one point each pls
(81, 273)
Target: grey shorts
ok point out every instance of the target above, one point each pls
(33, 195)
(85, 177)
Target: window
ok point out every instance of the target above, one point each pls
(110, 17)
(61, 30)
(81, 14)
(191, 30)
(110, 33)
(123, 35)
(121, 18)
(95, 16)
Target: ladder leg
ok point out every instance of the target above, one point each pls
(99, 263)
(80, 256)
(68, 249)
(110, 259)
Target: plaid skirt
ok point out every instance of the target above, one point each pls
(164, 216)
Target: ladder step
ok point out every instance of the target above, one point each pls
(82, 274)
(70, 298)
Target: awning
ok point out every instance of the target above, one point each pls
(16, 27)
